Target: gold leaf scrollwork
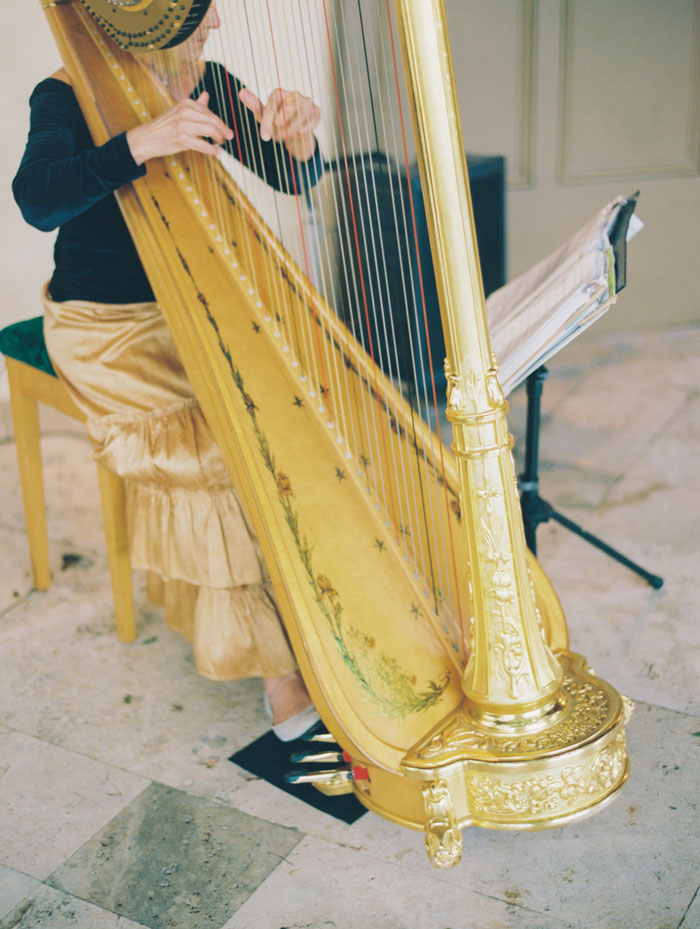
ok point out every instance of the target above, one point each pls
(609, 763)
(443, 840)
(508, 643)
(588, 708)
(537, 795)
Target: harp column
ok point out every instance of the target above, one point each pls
(539, 740)
(511, 670)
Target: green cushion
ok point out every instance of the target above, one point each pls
(24, 341)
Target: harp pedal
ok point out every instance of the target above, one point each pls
(333, 782)
(311, 757)
(325, 737)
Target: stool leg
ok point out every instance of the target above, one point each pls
(25, 417)
(114, 516)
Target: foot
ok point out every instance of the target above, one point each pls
(288, 696)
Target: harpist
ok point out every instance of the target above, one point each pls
(110, 345)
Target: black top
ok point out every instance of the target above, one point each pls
(65, 181)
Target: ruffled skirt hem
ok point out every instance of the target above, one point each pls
(186, 526)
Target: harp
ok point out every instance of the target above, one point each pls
(432, 644)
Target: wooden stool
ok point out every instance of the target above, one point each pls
(33, 381)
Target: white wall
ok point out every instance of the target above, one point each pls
(27, 54)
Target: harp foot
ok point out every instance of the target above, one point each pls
(443, 840)
(523, 773)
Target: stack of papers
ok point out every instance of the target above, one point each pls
(538, 313)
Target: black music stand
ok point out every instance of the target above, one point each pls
(536, 510)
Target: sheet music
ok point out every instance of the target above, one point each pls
(536, 314)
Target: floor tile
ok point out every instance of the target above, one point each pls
(173, 859)
(177, 727)
(691, 920)
(619, 868)
(260, 798)
(73, 513)
(16, 576)
(651, 515)
(53, 801)
(612, 416)
(321, 885)
(166, 722)
(51, 909)
(52, 421)
(6, 429)
(14, 888)
(602, 403)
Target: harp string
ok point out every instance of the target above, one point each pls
(329, 357)
(408, 496)
(225, 226)
(425, 510)
(425, 314)
(375, 259)
(344, 408)
(283, 314)
(380, 433)
(245, 148)
(441, 586)
(349, 393)
(368, 413)
(300, 352)
(414, 507)
(250, 274)
(324, 386)
(313, 330)
(360, 411)
(365, 196)
(419, 509)
(366, 450)
(362, 200)
(283, 310)
(421, 504)
(350, 406)
(439, 559)
(423, 513)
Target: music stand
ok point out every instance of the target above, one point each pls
(535, 510)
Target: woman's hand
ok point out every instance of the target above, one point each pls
(184, 127)
(288, 117)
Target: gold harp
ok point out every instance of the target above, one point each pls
(433, 645)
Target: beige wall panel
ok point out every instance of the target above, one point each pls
(664, 274)
(629, 89)
(492, 45)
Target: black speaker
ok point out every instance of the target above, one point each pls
(388, 296)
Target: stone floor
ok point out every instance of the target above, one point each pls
(119, 809)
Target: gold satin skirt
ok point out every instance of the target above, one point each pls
(186, 527)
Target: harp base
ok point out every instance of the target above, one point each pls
(532, 775)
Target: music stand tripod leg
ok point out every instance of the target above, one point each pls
(536, 510)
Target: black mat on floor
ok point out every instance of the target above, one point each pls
(268, 758)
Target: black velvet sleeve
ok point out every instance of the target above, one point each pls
(269, 160)
(61, 175)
